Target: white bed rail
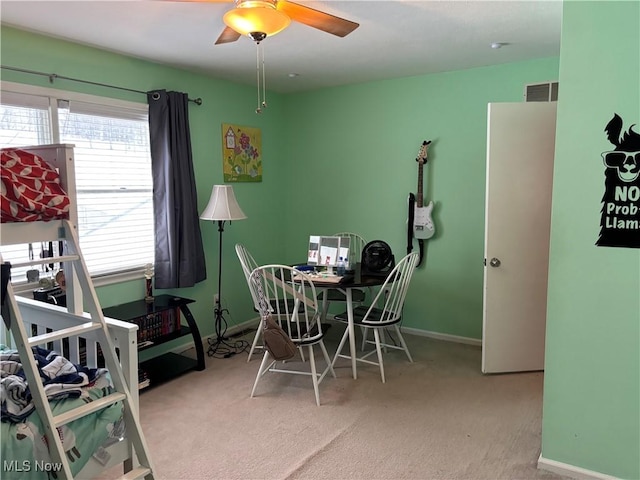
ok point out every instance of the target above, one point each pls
(40, 317)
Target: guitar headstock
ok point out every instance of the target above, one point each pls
(422, 153)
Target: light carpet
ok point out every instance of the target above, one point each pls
(436, 418)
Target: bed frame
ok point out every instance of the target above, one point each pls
(39, 317)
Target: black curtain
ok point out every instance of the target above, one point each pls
(179, 255)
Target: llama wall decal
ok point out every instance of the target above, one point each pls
(620, 214)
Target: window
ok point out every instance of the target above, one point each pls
(112, 164)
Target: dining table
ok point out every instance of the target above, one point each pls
(352, 280)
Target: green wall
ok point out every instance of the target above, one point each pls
(592, 376)
(353, 152)
(222, 102)
(334, 159)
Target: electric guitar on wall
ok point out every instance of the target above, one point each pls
(423, 226)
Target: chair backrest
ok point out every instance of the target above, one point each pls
(356, 244)
(248, 265)
(388, 303)
(290, 297)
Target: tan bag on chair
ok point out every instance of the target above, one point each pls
(276, 340)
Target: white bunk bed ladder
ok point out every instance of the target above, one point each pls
(75, 261)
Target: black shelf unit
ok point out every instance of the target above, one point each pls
(168, 365)
(184, 331)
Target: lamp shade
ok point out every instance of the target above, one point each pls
(222, 205)
(260, 16)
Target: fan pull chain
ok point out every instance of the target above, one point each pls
(264, 83)
(262, 100)
(258, 109)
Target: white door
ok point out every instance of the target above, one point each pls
(520, 151)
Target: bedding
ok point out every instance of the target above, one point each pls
(30, 188)
(24, 445)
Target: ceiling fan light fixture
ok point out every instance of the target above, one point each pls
(251, 16)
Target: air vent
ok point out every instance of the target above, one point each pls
(541, 92)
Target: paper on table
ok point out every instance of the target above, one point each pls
(319, 278)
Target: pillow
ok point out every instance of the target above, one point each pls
(30, 189)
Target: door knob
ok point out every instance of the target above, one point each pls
(494, 262)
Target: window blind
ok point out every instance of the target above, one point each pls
(113, 172)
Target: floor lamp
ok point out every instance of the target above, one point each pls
(222, 207)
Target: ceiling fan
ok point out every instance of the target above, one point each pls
(264, 18)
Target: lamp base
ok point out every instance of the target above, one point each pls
(220, 347)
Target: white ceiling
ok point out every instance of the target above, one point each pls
(395, 38)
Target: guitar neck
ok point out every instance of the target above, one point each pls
(420, 195)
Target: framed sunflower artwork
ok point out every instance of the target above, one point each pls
(241, 153)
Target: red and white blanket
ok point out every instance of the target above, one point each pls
(30, 189)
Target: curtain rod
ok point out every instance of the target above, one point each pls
(55, 76)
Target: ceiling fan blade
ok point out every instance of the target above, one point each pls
(228, 35)
(317, 19)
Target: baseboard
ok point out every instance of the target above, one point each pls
(232, 331)
(242, 328)
(443, 336)
(252, 323)
(236, 330)
(569, 470)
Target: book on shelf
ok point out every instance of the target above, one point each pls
(157, 324)
(143, 379)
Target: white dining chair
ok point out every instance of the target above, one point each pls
(248, 265)
(384, 312)
(289, 297)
